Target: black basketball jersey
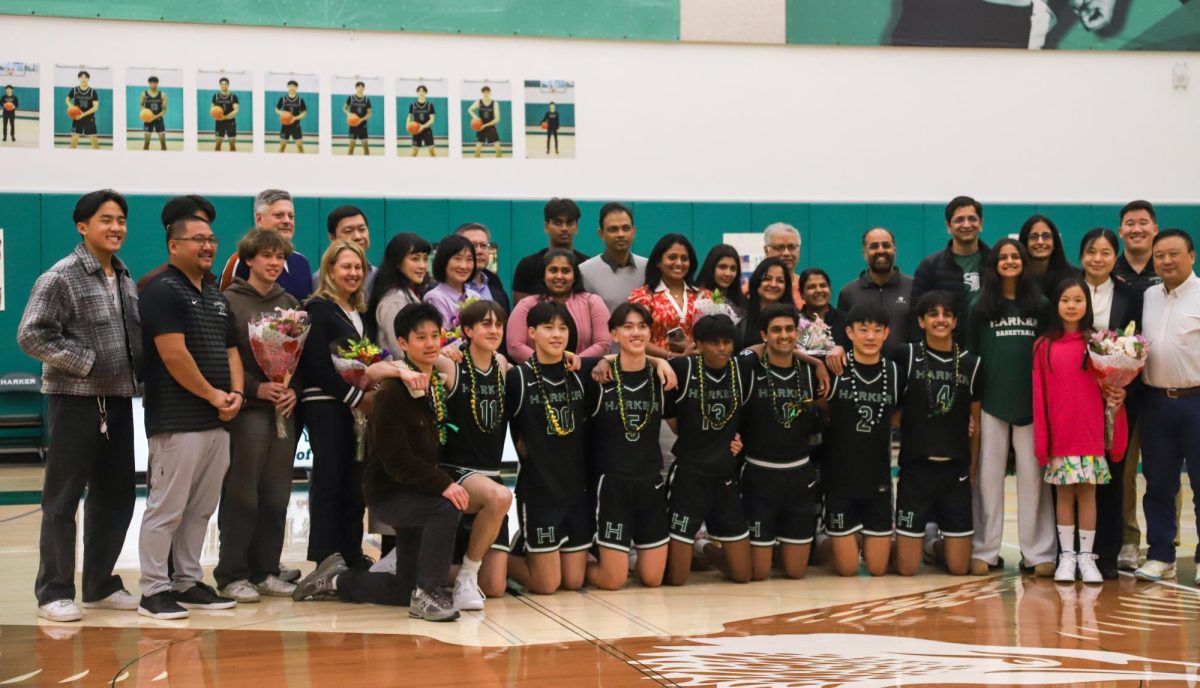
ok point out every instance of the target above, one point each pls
(937, 404)
(858, 441)
(552, 470)
(296, 105)
(84, 100)
(153, 103)
(487, 113)
(707, 426)
(629, 448)
(780, 417)
(421, 112)
(479, 441)
(359, 106)
(225, 101)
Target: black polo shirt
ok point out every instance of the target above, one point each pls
(172, 305)
(1138, 280)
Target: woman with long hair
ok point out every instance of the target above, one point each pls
(400, 281)
(1047, 255)
(770, 282)
(1004, 323)
(562, 283)
(817, 292)
(671, 296)
(722, 272)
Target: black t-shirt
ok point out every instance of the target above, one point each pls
(778, 396)
(706, 428)
(153, 103)
(421, 111)
(171, 304)
(4, 100)
(84, 100)
(358, 106)
(858, 441)
(552, 470)
(225, 101)
(937, 404)
(479, 441)
(551, 120)
(621, 448)
(530, 272)
(296, 105)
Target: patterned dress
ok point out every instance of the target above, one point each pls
(667, 314)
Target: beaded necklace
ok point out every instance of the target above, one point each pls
(785, 414)
(733, 387)
(437, 400)
(632, 433)
(852, 371)
(936, 406)
(475, 393)
(551, 414)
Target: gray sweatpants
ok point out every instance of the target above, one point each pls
(185, 475)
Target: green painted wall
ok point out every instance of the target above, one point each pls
(174, 117)
(38, 232)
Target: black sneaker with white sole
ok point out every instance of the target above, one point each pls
(161, 606)
(201, 596)
(319, 584)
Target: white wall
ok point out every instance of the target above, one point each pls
(676, 121)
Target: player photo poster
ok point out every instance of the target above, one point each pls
(225, 111)
(292, 120)
(83, 107)
(550, 119)
(422, 118)
(153, 109)
(486, 110)
(357, 112)
(20, 104)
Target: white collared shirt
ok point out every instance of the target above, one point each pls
(1102, 300)
(680, 309)
(1171, 325)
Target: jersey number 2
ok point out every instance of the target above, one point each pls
(865, 415)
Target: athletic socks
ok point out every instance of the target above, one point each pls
(1066, 538)
(1086, 539)
(469, 567)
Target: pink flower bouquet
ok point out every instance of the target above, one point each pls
(277, 338)
(1116, 359)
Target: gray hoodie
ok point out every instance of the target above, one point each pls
(247, 304)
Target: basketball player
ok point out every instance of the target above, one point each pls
(155, 101)
(294, 104)
(358, 105)
(631, 504)
(226, 127)
(857, 471)
(550, 119)
(702, 486)
(9, 116)
(938, 450)
(778, 477)
(422, 113)
(471, 456)
(545, 405)
(488, 111)
(86, 99)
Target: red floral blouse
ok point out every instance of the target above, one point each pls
(666, 312)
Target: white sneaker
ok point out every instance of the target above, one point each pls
(1130, 558)
(1065, 573)
(120, 599)
(467, 595)
(272, 586)
(240, 590)
(1088, 571)
(60, 610)
(1155, 571)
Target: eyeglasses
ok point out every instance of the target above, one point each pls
(876, 245)
(781, 248)
(201, 241)
(483, 245)
(1041, 237)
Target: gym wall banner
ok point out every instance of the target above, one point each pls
(153, 109)
(225, 111)
(292, 122)
(83, 107)
(357, 113)
(422, 118)
(550, 119)
(486, 118)
(20, 104)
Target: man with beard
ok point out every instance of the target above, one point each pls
(881, 284)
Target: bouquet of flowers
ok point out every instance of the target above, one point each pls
(452, 331)
(277, 339)
(1116, 359)
(815, 336)
(351, 362)
(717, 304)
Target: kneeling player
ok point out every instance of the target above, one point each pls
(472, 454)
(858, 464)
(546, 412)
(702, 486)
(938, 451)
(631, 504)
(778, 477)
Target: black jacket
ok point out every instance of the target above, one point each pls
(939, 272)
(403, 442)
(329, 328)
(1126, 306)
(497, 288)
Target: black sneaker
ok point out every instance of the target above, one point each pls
(319, 584)
(161, 606)
(201, 596)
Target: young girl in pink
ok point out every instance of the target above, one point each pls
(1068, 426)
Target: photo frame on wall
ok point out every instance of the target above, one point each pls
(153, 109)
(225, 111)
(357, 115)
(486, 112)
(20, 104)
(83, 107)
(550, 119)
(293, 121)
(422, 118)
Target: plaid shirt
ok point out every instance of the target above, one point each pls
(70, 324)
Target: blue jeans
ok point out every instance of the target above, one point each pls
(1170, 440)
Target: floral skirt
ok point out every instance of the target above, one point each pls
(1074, 470)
